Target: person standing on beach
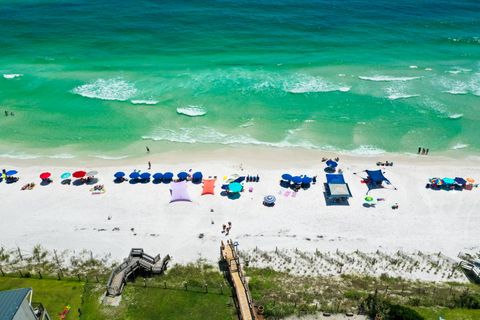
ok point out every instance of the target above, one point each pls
(148, 149)
(419, 149)
(426, 151)
(423, 150)
(149, 165)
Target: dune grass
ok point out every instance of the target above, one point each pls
(434, 313)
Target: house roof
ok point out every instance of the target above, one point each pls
(10, 301)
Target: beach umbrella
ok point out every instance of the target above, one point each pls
(182, 175)
(448, 180)
(65, 175)
(92, 173)
(369, 199)
(460, 181)
(286, 177)
(436, 181)
(145, 176)
(269, 199)
(168, 176)
(157, 176)
(297, 179)
(11, 172)
(306, 180)
(197, 176)
(470, 180)
(45, 175)
(134, 175)
(331, 163)
(119, 174)
(235, 187)
(79, 174)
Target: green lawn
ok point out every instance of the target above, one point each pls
(53, 294)
(448, 314)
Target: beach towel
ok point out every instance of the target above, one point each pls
(178, 191)
(208, 186)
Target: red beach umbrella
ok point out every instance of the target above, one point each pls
(45, 175)
(79, 174)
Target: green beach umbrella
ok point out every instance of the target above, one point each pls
(65, 175)
(369, 199)
(235, 187)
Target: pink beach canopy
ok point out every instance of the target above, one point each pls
(179, 192)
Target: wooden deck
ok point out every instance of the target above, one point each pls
(244, 300)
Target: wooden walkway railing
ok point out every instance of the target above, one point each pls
(245, 303)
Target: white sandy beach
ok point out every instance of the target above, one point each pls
(68, 217)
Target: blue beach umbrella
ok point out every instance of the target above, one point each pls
(119, 174)
(158, 176)
(286, 177)
(331, 163)
(65, 175)
(145, 176)
(182, 175)
(197, 176)
(235, 187)
(11, 172)
(134, 175)
(167, 176)
(306, 180)
(297, 179)
(460, 181)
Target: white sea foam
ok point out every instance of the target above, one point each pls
(413, 67)
(366, 150)
(149, 102)
(457, 70)
(456, 91)
(428, 69)
(455, 116)
(61, 156)
(12, 75)
(387, 78)
(307, 84)
(105, 157)
(192, 111)
(107, 89)
(27, 156)
(247, 124)
(395, 96)
(460, 146)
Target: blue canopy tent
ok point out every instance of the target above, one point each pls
(335, 178)
(182, 176)
(167, 177)
(336, 188)
(197, 177)
(119, 175)
(376, 176)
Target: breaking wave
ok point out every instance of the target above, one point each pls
(107, 89)
(307, 84)
(387, 78)
(192, 111)
(149, 102)
(455, 116)
(12, 75)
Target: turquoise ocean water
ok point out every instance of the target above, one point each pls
(365, 76)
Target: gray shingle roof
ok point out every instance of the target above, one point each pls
(10, 301)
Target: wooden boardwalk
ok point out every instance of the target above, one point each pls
(135, 261)
(244, 300)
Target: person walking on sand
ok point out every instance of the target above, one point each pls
(149, 165)
(148, 149)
